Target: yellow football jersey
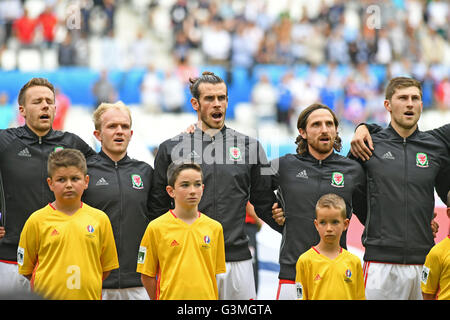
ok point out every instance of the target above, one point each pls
(436, 270)
(321, 278)
(67, 254)
(186, 258)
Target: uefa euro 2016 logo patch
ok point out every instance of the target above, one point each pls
(348, 275)
(422, 160)
(137, 181)
(337, 179)
(90, 229)
(206, 242)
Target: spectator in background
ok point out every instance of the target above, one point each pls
(24, 29)
(62, 106)
(151, 90)
(216, 42)
(10, 10)
(285, 99)
(181, 45)
(7, 113)
(264, 99)
(172, 93)
(241, 48)
(443, 94)
(185, 70)
(109, 8)
(104, 90)
(67, 53)
(140, 50)
(48, 21)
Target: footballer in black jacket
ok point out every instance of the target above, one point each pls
(121, 189)
(301, 179)
(401, 177)
(23, 164)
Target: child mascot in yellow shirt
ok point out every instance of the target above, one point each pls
(67, 248)
(327, 271)
(182, 251)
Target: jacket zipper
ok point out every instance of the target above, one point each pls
(116, 167)
(43, 167)
(214, 179)
(406, 194)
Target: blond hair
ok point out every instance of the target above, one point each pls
(103, 107)
(332, 201)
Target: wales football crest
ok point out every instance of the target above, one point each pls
(337, 179)
(235, 153)
(137, 181)
(422, 160)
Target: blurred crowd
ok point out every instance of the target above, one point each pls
(349, 48)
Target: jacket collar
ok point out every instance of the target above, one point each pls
(391, 129)
(199, 133)
(30, 133)
(307, 156)
(107, 158)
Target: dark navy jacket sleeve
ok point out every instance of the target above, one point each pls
(160, 201)
(261, 195)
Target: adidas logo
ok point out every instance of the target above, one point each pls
(174, 243)
(388, 155)
(54, 232)
(302, 174)
(24, 153)
(318, 277)
(102, 182)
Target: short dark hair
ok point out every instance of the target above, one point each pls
(401, 83)
(35, 82)
(303, 121)
(206, 77)
(66, 158)
(175, 168)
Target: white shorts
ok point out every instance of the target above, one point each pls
(387, 281)
(238, 283)
(287, 290)
(11, 281)
(135, 293)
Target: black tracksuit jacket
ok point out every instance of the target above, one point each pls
(443, 177)
(231, 163)
(301, 180)
(401, 177)
(23, 166)
(121, 190)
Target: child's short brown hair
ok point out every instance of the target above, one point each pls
(66, 158)
(175, 168)
(332, 201)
